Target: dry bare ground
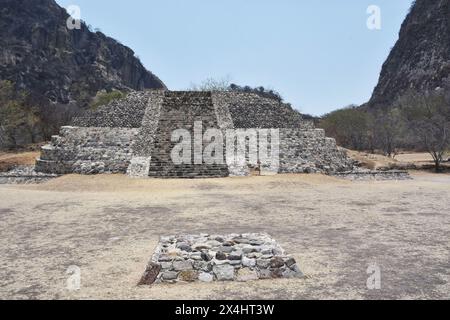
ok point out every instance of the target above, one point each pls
(420, 161)
(9, 160)
(109, 226)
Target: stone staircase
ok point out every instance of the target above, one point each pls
(180, 110)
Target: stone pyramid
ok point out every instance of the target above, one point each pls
(134, 135)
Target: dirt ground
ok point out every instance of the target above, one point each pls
(109, 226)
(420, 161)
(9, 160)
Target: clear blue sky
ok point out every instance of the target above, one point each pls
(319, 54)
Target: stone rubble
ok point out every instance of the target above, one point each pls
(25, 175)
(208, 258)
(359, 174)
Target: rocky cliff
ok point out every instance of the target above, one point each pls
(420, 60)
(41, 55)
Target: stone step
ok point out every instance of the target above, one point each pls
(54, 167)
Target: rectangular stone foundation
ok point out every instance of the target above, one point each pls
(208, 258)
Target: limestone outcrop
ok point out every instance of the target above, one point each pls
(420, 60)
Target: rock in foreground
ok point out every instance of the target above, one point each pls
(208, 258)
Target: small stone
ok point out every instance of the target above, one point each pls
(205, 277)
(224, 272)
(276, 262)
(245, 274)
(164, 258)
(188, 276)
(206, 257)
(228, 244)
(170, 275)
(246, 262)
(288, 273)
(264, 274)
(297, 270)
(277, 252)
(226, 249)
(241, 240)
(166, 265)
(267, 250)
(196, 256)
(263, 263)
(277, 273)
(220, 262)
(182, 265)
(247, 250)
(255, 255)
(290, 262)
(184, 247)
(256, 242)
(214, 243)
(235, 262)
(235, 255)
(219, 239)
(203, 266)
(221, 256)
(267, 256)
(201, 246)
(150, 274)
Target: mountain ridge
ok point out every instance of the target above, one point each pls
(41, 55)
(420, 59)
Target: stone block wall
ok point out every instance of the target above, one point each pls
(249, 110)
(88, 151)
(208, 258)
(310, 151)
(123, 113)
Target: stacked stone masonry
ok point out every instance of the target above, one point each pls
(25, 175)
(88, 151)
(208, 258)
(364, 175)
(133, 135)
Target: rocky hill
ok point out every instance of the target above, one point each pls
(59, 69)
(420, 60)
(41, 55)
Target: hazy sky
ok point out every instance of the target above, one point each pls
(319, 54)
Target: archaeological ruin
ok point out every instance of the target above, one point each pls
(208, 258)
(134, 135)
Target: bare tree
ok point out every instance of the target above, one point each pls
(428, 118)
(349, 126)
(211, 84)
(388, 127)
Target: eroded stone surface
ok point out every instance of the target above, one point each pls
(208, 258)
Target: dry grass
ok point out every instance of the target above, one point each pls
(9, 160)
(371, 161)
